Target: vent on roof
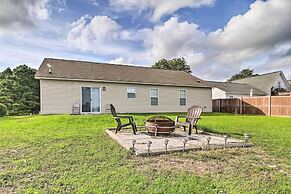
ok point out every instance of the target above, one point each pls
(49, 68)
(198, 80)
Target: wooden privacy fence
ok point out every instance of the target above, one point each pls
(267, 105)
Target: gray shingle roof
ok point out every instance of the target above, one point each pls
(262, 82)
(236, 88)
(90, 71)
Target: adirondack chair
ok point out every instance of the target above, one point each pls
(193, 115)
(119, 123)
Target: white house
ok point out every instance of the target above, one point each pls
(233, 90)
(91, 87)
(259, 85)
(269, 83)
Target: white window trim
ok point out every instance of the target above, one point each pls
(183, 97)
(155, 96)
(131, 93)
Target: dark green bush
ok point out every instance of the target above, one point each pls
(3, 110)
(7, 102)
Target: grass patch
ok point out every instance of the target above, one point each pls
(64, 153)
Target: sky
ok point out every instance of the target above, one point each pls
(217, 38)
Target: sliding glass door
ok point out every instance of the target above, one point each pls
(95, 103)
(90, 100)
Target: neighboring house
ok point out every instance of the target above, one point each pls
(65, 84)
(270, 83)
(233, 90)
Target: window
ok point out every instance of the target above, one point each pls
(183, 97)
(131, 92)
(154, 94)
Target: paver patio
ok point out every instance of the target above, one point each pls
(175, 140)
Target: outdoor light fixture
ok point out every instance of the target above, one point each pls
(184, 144)
(104, 88)
(225, 139)
(149, 146)
(208, 142)
(166, 145)
(247, 136)
(133, 144)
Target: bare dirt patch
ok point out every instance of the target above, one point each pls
(174, 163)
(214, 162)
(7, 189)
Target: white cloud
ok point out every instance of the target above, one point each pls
(259, 32)
(173, 39)
(264, 25)
(103, 36)
(121, 60)
(95, 34)
(158, 8)
(16, 15)
(258, 39)
(61, 10)
(95, 2)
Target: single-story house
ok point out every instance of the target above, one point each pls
(67, 84)
(269, 83)
(233, 90)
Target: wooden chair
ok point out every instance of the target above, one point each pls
(119, 123)
(193, 115)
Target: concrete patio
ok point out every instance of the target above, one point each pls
(143, 143)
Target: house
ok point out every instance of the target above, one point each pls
(270, 83)
(233, 90)
(67, 84)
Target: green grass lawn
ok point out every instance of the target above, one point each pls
(66, 154)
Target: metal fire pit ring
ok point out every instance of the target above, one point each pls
(160, 124)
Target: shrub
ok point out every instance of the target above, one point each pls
(19, 109)
(6, 101)
(3, 110)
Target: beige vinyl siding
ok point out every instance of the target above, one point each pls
(57, 97)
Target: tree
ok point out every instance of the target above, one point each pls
(6, 73)
(19, 90)
(177, 64)
(243, 74)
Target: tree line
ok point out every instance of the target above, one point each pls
(19, 90)
(180, 64)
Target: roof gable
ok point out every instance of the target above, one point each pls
(89, 71)
(236, 88)
(262, 82)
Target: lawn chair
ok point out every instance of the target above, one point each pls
(119, 123)
(193, 115)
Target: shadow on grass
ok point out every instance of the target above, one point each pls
(211, 130)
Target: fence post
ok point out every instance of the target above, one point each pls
(219, 105)
(270, 106)
(240, 105)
